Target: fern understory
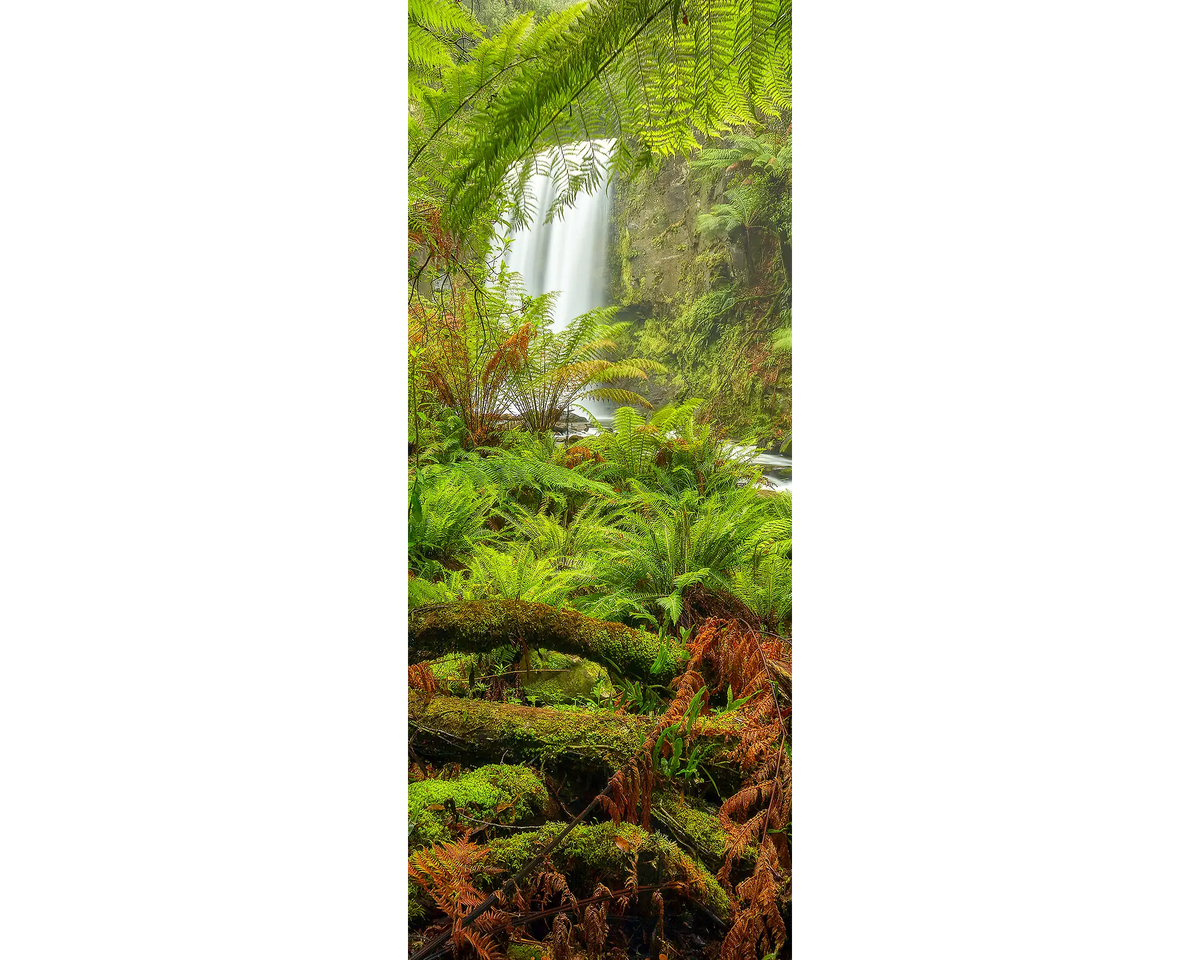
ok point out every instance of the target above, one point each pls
(606, 772)
(658, 524)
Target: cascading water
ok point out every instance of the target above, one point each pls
(569, 254)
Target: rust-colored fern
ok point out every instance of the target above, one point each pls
(754, 667)
(445, 872)
(420, 677)
(562, 937)
(595, 922)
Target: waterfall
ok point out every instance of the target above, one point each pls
(569, 254)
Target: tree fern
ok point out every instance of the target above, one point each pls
(564, 367)
(630, 70)
(767, 151)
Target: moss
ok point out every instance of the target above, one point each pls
(477, 793)
(700, 827)
(477, 728)
(552, 660)
(705, 828)
(590, 854)
(417, 903)
(526, 951)
(583, 738)
(572, 678)
(625, 256)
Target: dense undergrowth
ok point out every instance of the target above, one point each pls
(600, 616)
(609, 613)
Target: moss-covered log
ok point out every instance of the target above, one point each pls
(474, 626)
(696, 829)
(590, 854)
(480, 730)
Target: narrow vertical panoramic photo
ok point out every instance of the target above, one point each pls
(599, 479)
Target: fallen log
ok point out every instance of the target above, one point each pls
(694, 828)
(605, 853)
(476, 626)
(453, 728)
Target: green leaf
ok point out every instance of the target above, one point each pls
(416, 512)
(658, 746)
(661, 660)
(693, 708)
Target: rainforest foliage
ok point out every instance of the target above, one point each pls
(599, 610)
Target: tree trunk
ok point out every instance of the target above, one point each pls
(476, 626)
(785, 255)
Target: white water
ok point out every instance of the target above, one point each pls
(777, 469)
(569, 254)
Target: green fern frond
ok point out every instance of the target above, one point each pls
(616, 395)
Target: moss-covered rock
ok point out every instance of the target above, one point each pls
(558, 678)
(473, 626)
(497, 792)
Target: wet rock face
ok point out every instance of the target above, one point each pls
(655, 244)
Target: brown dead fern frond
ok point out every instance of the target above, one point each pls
(562, 937)
(420, 677)
(758, 927)
(595, 922)
(755, 668)
(484, 946)
(444, 871)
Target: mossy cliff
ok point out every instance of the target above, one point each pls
(697, 305)
(661, 259)
(591, 854)
(474, 626)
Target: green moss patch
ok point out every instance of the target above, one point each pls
(559, 678)
(700, 827)
(418, 903)
(498, 792)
